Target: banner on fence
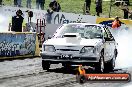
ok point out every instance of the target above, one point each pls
(18, 45)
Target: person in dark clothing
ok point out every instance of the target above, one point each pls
(98, 7)
(127, 2)
(126, 11)
(17, 22)
(28, 3)
(0, 2)
(55, 6)
(19, 2)
(15, 3)
(40, 3)
(49, 15)
(88, 3)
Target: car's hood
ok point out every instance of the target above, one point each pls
(73, 41)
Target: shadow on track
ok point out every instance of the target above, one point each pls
(74, 71)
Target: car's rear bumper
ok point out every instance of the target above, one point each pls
(57, 58)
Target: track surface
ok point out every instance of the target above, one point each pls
(28, 73)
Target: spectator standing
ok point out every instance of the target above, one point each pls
(19, 3)
(55, 6)
(15, 3)
(86, 8)
(98, 7)
(40, 3)
(17, 22)
(0, 2)
(28, 4)
(126, 11)
(49, 15)
(88, 3)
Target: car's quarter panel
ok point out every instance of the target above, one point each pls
(113, 47)
(110, 42)
(106, 51)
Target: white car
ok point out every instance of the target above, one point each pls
(80, 43)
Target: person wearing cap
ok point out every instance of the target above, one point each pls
(17, 22)
(116, 23)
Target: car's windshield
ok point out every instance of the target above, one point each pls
(86, 31)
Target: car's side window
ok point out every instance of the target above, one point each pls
(109, 35)
(105, 33)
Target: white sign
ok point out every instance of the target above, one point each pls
(57, 17)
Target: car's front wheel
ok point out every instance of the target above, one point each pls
(45, 65)
(111, 63)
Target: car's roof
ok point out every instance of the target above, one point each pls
(87, 24)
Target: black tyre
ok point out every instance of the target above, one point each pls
(45, 65)
(111, 63)
(100, 65)
(81, 79)
(116, 53)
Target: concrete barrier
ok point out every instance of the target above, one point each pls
(16, 45)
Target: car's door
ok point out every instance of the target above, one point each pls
(106, 45)
(110, 42)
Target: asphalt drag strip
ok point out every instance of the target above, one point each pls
(57, 76)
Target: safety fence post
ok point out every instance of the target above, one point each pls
(40, 24)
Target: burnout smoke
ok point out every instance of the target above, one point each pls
(124, 40)
(4, 22)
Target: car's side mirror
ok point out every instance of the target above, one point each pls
(49, 37)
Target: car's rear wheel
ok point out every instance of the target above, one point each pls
(45, 65)
(100, 65)
(111, 64)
